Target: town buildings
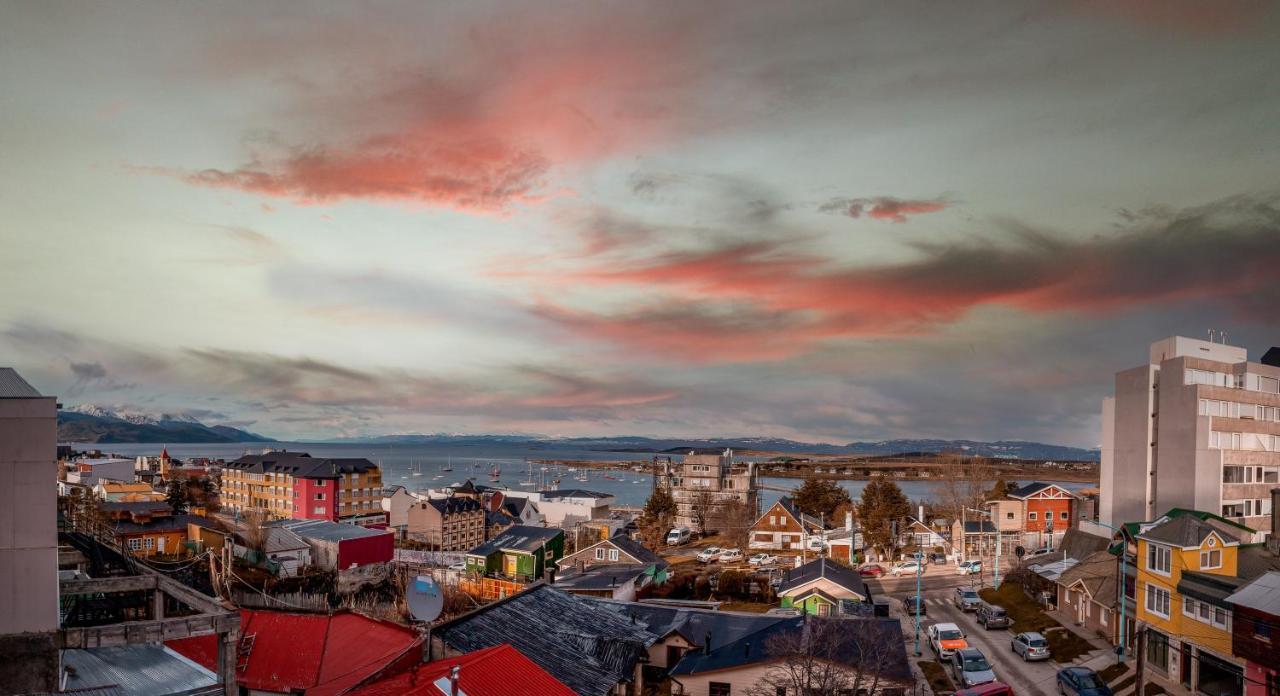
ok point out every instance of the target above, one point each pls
(456, 523)
(1255, 633)
(336, 546)
(118, 491)
(146, 528)
(507, 563)
(823, 588)
(702, 483)
(569, 507)
(1033, 516)
(28, 537)
(1188, 567)
(497, 671)
(1197, 427)
(294, 485)
(783, 527)
(87, 471)
(615, 568)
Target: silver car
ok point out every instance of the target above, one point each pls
(970, 668)
(1031, 646)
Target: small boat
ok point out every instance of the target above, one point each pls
(581, 477)
(572, 469)
(448, 464)
(419, 471)
(611, 477)
(495, 474)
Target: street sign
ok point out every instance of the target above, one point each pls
(1019, 552)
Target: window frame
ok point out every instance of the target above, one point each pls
(1156, 550)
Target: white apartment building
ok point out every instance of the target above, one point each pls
(1197, 427)
(707, 479)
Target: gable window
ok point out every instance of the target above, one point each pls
(599, 554)
(613, 554)
(718, 689)
(1158, 558)
(773, 520)
(1210, 559)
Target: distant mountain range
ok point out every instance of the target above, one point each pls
(90, 423)
(1010, 449)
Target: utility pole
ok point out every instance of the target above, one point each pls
(1141, 648)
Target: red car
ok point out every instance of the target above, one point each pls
(871, 571)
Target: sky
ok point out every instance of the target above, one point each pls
(821, 221)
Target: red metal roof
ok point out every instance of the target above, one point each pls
(314, 653)
(497, 671)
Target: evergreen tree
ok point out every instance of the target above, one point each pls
(819, 497)
(176, 496)
(883, 504)
(660, 505)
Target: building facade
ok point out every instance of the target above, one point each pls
(1197, 427)
(28, 537)
(783, 527)
(294, 485)
(448, 524)
(703, 482)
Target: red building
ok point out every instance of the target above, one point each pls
(1046, 507)
(338, 546)
(312, 654)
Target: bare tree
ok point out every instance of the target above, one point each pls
(734, 519)
(828, 657)
(966, 482)
(702, 510)
(254, 532)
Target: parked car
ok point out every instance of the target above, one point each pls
(945, 639)
(458, 567)
(1081, 681)
(731, 556)
(995, 688)
(1031, 646)
(762, 559)
(709, 554)
(679, 536)
(937, 558)
(916, 556)
(970, 568)
(910, 605)
(1042, 551)
(907, 568)
(871, 571)
(991, 616)
(971, 668)
(783, 611)
(966, 599)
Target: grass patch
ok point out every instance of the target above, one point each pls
(1113, 672)
(757, 607)
(939, 682)
(1064, 645)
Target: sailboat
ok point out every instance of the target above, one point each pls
(449, 464)
(495, 473)
(528, 481)
(418, 472)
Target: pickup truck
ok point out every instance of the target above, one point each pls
(945, 639)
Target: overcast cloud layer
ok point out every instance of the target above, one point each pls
(824, 221)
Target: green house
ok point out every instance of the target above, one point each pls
(824, 588)
(521, 553)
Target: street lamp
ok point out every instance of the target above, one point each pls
(989, 514)
(1124, 585)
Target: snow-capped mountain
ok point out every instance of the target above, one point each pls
(101, 424)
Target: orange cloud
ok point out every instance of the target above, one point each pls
(885, 208)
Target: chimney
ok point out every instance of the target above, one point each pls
(920, 514)
(453, 680)
(848, 520)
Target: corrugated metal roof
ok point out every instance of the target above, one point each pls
(1263, 594)
(13, 386)
(496, 671)
(521, 537)
(141, 670)
(324, 530)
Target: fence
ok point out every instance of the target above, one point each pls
(316, 602)
(429, 558)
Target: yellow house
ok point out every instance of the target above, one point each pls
(1187, 565)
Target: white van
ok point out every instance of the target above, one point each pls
(679, 536)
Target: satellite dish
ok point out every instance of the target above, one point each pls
(425, 599)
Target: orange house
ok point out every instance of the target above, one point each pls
(1046, 507)
(146, 528)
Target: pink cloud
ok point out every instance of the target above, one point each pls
(885, 208)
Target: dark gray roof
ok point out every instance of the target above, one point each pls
(514, 506)
(136, 670)
(805, 520)
(1210, 588)
(762, 646)
(301, 465)
(162, 524)
(694, 624)
(635, 549)
(496, 517)
(600, 577)
(1271, 357)
(1029, 489)
(589, 648)
(135, 507)
(1253, 560)
(521, 537)
(976, 526)
(13, 386)
(1263, 594)
(843, 576)
(454, 505)
(574, 493)
(1078, 544)
(1184, 531)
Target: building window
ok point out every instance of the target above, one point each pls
(1210, 559)
(1064, 514)
(773, 520)
(1158, 601)
(319, 496)
(1031, 516)
(318, 510)
(718, 689)
(613, 554)
(1158, 558)
(135, 544)
(599, 554)
(149, 543)
(1008, 515)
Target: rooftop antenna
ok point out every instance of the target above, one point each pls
(1211, 335)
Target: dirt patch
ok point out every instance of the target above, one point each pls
(937, 677)
(1064, 645)
(757, 607)
(1113, 672)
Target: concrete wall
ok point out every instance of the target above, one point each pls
(1126, 488)
(28, 544)
(1182, 444)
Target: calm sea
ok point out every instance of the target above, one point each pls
(399, 464)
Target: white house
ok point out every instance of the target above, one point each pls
(567, 508)
(396, 502)
(88, 471)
